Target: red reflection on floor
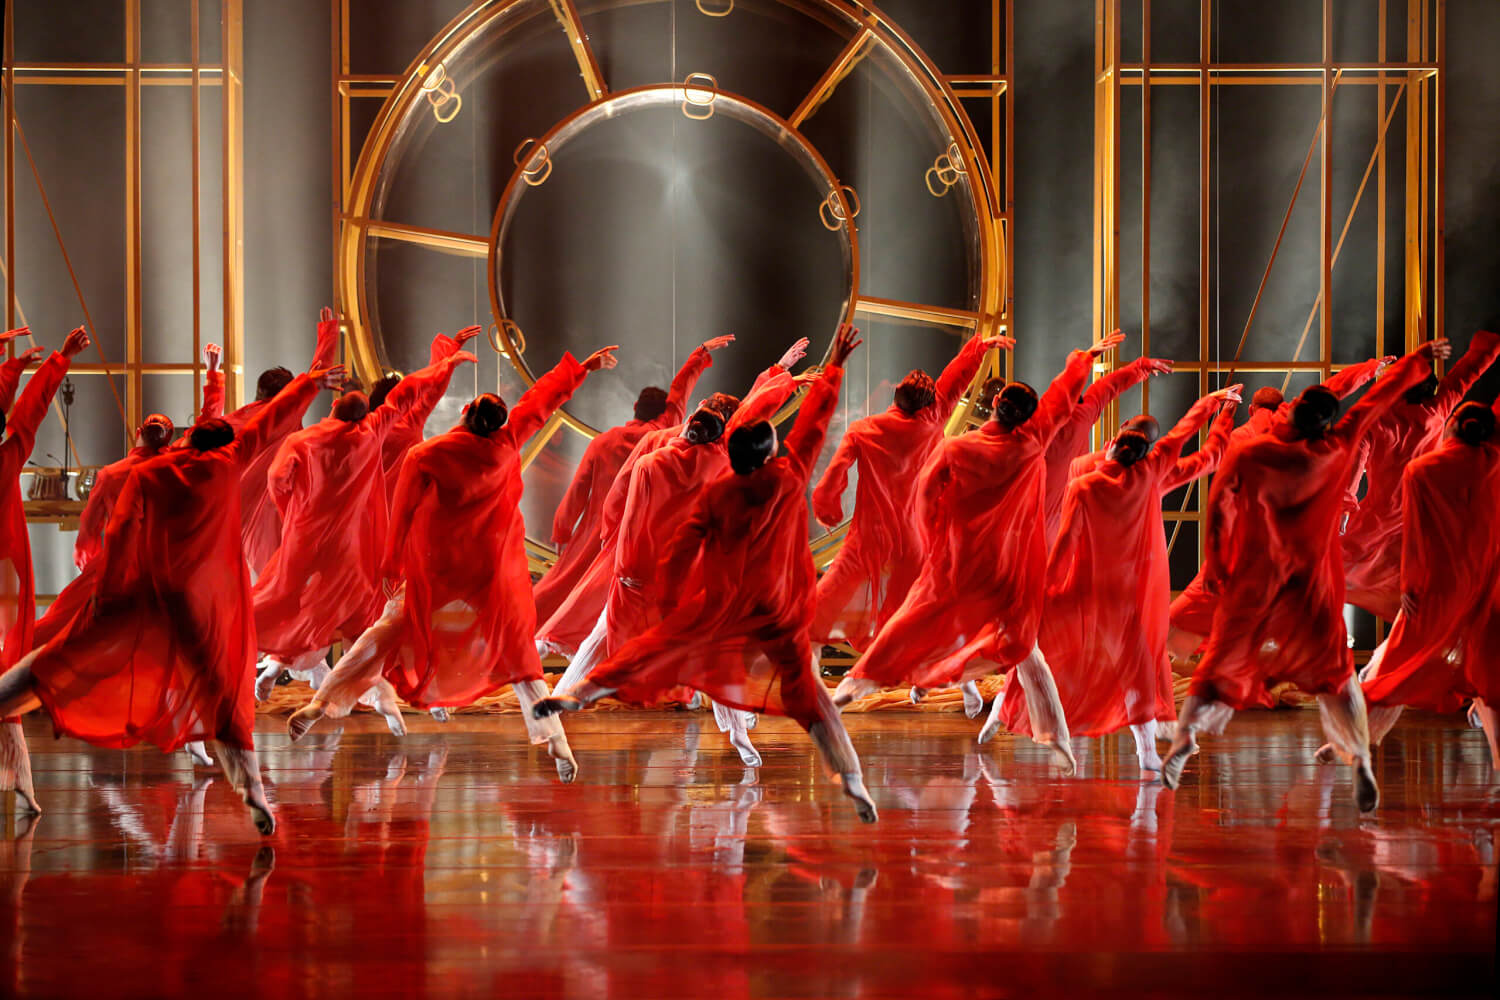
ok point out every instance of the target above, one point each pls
(452, 862)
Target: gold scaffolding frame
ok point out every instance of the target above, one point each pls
(1417, 78)
(134, 75)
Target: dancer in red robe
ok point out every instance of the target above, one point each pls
(1192, 611)
(408, 430)
(156, 640)
(739, 582)
(1372, 537)
(1104, 633)
(977, 603)
(1443, 647)
(323, 581)
(1276, 569)
(460, 619)
(882, 552)
(1072, 438)
(577, 616)
(663, 482)
(17, 585)
(261, 529)
(576, 527)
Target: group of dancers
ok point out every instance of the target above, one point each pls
(213, 562)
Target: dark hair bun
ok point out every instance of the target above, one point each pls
(1015, 404)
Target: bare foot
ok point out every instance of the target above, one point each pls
(562, 755)
(854, 787)
(1366, 791)
(852, 689)
(26, 801)
(260, 814)
(303, 719)
(1171, 768)
(973, 700)
(266, 679)
(749, 756)
(199, 754)
(1062, 755)
(1326, 754)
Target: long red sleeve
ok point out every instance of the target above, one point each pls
(1109, 387)
(213, 396)
(10, 378)
(1347, 381)
(828, 495)
(958, 374)
(31, 409)
(417, 394)
(1484, 348)
(576, 500)
(544, 398)
(261, 430)
(1400, 377)
(411, 486)
(763, 402)
(698, 362)
(1207, 458)
(1057, 403)
(807, 436)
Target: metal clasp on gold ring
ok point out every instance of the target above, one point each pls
(534, 160)
(831, 210)
(714, 13)
(512, 333)
(698, 100)
(441, 93)
(945, 171)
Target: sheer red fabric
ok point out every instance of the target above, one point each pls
(739, 580)
(261, 521)
(1443, 649)
(1072, 438)
(323, 582)
(882, 553)
(577, 526)
(458, 541)
(576, 616)
(1372, 538)
(1273, 560)
(1108, 586)
(979, 501)
(1193, 609)
(155, 641)
(407, 432)
(17, 584)
(108, 483)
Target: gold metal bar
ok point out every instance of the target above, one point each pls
(1416, 95)
(1325, 195)
(1312, 69)
(1146, 199)
(461, 244)
(841, 67)
(197, 157)
(1380, 114)
(134, 388)
(578, 41)
(1007, 230)
(233, 193)
(917, 312)
(10, 166)
(1439, 167)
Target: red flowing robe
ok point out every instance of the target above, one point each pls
(323, 581)
(740, 564)
(882, 553)
(1372, 537)
(17, 584)
(261, 521)
(156, 640)
(408, 429)
(578, 613)
(577, 527)
(1193, 609)
(1108, 586)
(1072, 438)
(101, 503)
(1274, 564)
(1445, 650)
(980, 499)
(458, 540)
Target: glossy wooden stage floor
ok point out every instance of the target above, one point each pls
(452, 862)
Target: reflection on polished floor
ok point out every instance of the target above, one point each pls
(452, 862)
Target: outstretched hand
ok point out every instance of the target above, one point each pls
(807, 377)
(1229, 394)
(29, 355)
(604, 357)
(76, 343)
(325, 315)
(718, 343)
(9, 335)
(1437, 347)
(213, 356)
(1156, 366)
(844, 344)
(794, 354)
(1106, 343)
(998, 343)
(467, 334)
(1381, 364)
(328, 378)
